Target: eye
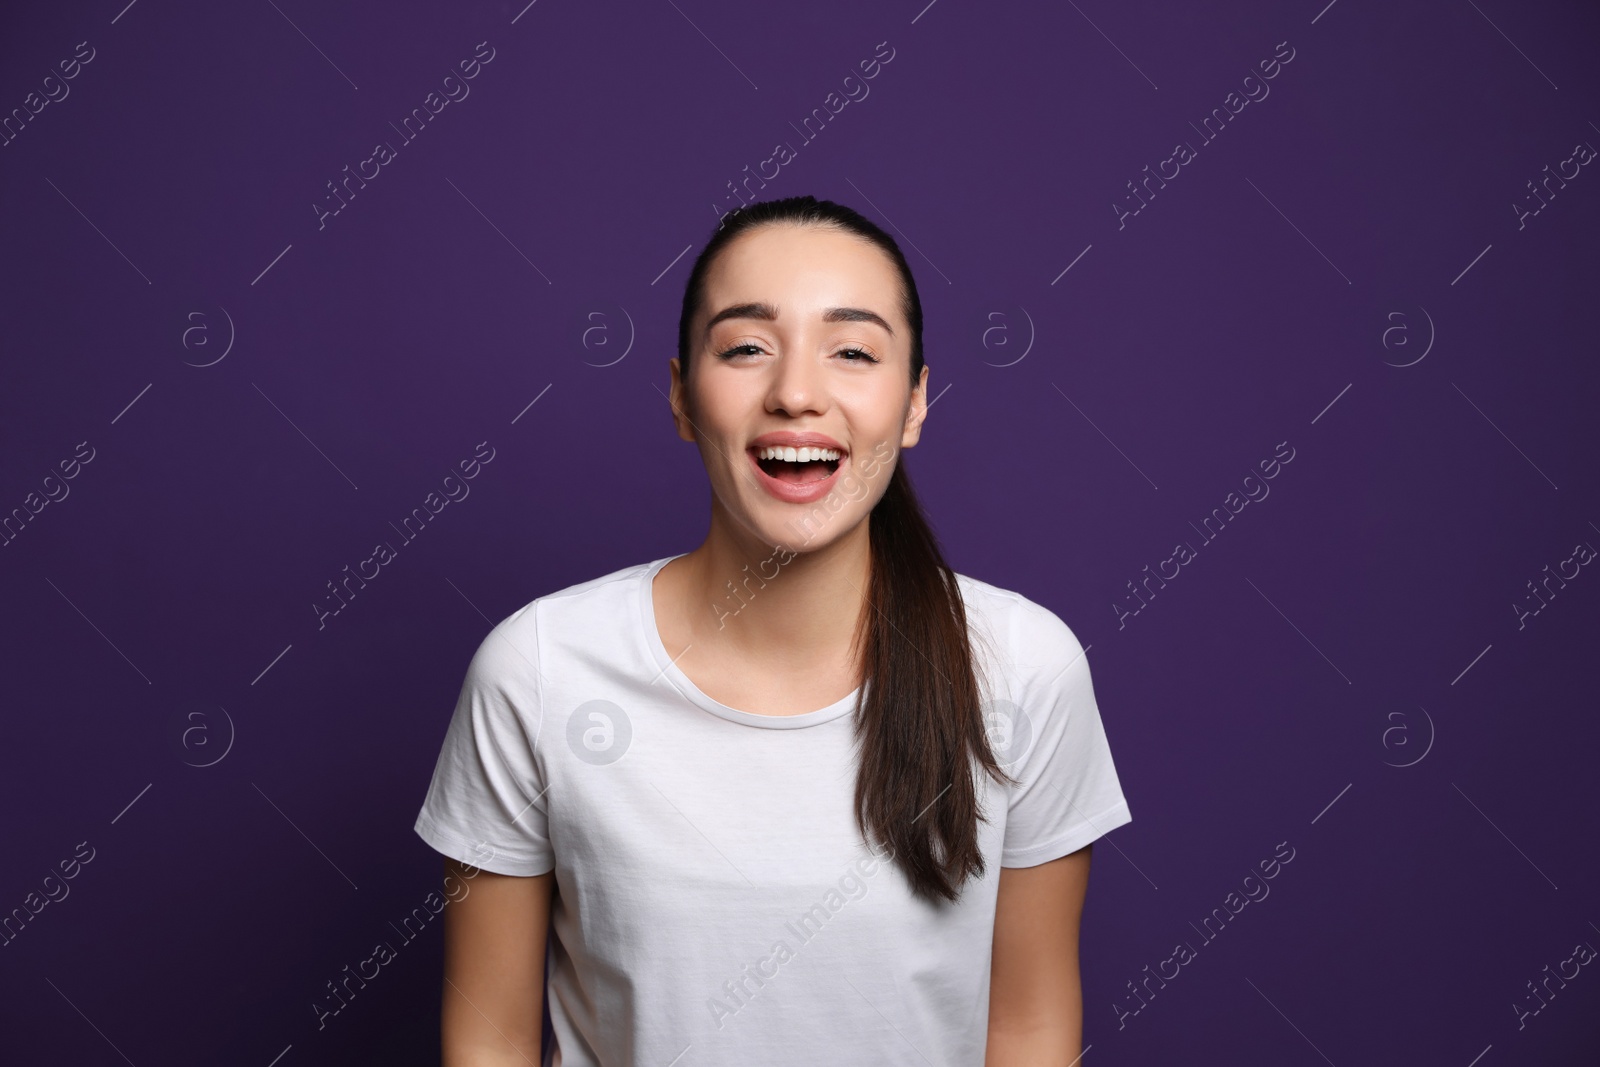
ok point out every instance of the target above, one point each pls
(737, 350)
(867, 357)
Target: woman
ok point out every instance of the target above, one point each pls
(802, 795)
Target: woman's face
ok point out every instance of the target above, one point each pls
(800, 342)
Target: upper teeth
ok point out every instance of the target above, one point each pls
(796, 455)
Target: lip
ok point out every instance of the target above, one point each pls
(796, 439)
(793, 492)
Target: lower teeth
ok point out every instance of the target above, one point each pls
(784, 471)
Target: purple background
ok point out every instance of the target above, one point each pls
(1359, 618)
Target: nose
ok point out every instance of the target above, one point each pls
(796, 386)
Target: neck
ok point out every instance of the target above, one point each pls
(790, 610)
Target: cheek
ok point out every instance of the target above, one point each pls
(723, 403)
(877, 421)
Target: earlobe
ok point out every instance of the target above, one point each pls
(918, 411)
(675, 399)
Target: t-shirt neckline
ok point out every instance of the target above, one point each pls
(687, 688)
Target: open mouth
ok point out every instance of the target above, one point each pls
(799, 473)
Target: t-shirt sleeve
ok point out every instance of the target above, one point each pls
(1068, 793)
(485, 805)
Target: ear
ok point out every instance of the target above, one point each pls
(918, 411)
(680, 416)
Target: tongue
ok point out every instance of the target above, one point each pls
(785, 471)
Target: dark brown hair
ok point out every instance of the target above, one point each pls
(920, 725)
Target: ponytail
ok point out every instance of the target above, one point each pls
(920, 725)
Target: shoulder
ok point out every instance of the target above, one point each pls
(581, 613)
(1035, 644)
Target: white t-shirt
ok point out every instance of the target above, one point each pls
(715, 902)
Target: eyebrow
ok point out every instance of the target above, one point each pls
(769, 313)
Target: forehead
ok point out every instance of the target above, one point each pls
(802, 269)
